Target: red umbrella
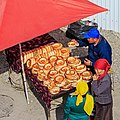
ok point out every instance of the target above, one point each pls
(21, 20)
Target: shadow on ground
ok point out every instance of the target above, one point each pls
(3, 63)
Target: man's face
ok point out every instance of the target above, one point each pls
(91, 40)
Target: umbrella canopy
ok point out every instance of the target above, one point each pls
(21, 20)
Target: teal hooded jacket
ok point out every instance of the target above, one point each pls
(74, 112)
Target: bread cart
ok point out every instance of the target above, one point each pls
(40, 90)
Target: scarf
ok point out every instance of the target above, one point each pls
(102, 64)
(82, 89)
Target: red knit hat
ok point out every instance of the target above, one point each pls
(102, 64)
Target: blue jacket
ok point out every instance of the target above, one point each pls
(74, 112)
(101, 50)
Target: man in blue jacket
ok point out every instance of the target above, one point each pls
(98, 47)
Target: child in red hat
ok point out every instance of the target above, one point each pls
(101, 87)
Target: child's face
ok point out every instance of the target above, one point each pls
(99, 72)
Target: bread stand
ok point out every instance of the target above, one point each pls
(11, 54)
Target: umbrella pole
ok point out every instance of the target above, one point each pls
(23, 75)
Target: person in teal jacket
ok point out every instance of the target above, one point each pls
(80, 105)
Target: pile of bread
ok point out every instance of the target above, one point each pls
(55, 67)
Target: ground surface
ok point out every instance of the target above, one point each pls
(13, 104)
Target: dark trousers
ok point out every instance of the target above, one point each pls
(103, 112)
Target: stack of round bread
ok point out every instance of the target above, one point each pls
(42, 61)
(27, 55)
(71, 75)
(47, 67)
(86, 75)
(52, 59)
(81, 68)
(74, 83)
(65, 52)
(35, 54)
(35, 68)
(59, 64)
(52, 74)
(44, 52)
(55, 68)
(76, 63)
(64, 69)
(60, 80)
(70, 60)
(53, 88)
(73, 62)
(30, 62)
(57, 46)
(72, 44)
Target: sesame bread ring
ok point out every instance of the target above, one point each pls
(35, 68)
(47, 67)
(77, 62)
(81, 68)
(42, 61)
(52, 73)
(65, 52)
(71, 44)
(71, 60)
(86, 75)
(71, 74)
(59, 64)
(30, 62)
(57, 46)
(64, 69)
(59, 80)
(52, 59)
